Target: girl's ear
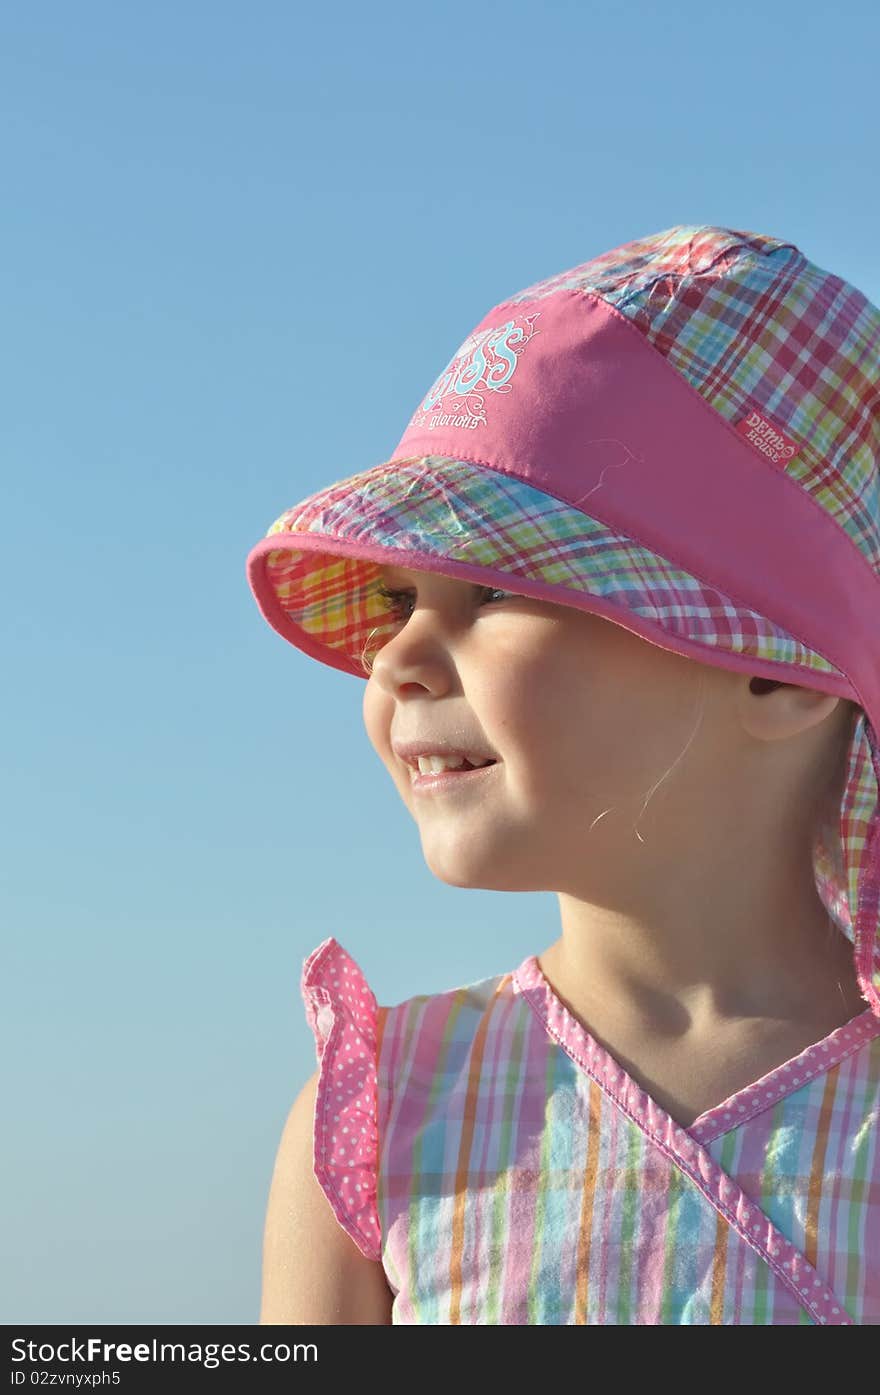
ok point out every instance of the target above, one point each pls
(797, 709)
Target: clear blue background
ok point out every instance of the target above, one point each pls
(239, 241)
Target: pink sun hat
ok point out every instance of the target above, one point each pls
(680, 435)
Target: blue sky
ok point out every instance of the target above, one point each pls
(219, 221)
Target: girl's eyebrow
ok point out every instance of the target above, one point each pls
(414, 580)
(389, 572)
(388, 575)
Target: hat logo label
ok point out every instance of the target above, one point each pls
(770, 439)
(486, 362)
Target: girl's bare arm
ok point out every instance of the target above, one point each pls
(313, 1272)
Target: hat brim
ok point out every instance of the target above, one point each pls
(315, 574)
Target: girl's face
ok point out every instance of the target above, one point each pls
(580, 714)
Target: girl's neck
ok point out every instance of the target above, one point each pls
(818, 986)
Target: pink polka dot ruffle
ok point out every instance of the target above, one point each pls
(341, 1011)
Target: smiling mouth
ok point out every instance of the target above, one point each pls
(466, 764)
(461, 775)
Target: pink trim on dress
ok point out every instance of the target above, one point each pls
(341, 1010)
(687, 1150)
(737, 1108)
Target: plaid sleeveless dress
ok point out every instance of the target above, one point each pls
(504, 1168)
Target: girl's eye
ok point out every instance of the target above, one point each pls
(395, 599)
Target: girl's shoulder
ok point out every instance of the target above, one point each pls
(343, 1014)
(336, 992)
(330, 967)
(312, 1272)
(367, 1053)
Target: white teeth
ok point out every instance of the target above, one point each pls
(432, 765)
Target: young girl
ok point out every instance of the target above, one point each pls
(615, 595)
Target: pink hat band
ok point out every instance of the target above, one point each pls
(588, 411)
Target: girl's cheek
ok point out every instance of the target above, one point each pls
(377, 722)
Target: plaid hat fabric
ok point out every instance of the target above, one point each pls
(680, 435)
